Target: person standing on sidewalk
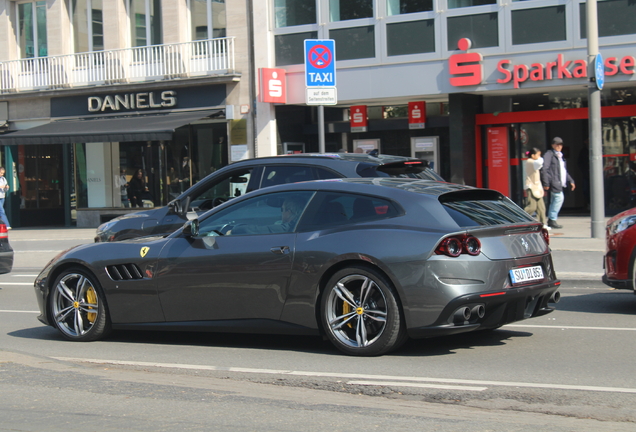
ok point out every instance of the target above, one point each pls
(4, 187)
(534, 188)
(555, 178)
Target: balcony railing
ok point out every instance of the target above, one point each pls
(149, 63)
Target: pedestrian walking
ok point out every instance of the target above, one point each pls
(534, 188)
(4, 187)
(555, 179)
(136, 188)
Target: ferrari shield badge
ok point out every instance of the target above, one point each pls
(144, 250)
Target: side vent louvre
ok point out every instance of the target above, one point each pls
(124, 272)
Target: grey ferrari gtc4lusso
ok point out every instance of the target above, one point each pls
(365, 262)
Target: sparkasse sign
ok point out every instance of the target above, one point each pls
(466, 69)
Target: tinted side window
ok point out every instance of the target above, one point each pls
(333, 208)
(265, 214)
(482, 207)
(231, 185)
(283, 174)
(324, 174)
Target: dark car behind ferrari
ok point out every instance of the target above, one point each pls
(248, 175)
(365, 262)
(6, 252)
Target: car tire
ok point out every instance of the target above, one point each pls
(78, 306)
(361, 314)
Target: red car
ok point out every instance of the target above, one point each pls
(620, 255)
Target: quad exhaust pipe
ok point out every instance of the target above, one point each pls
(462, 314)
(465, 313)
(479, 310)
(555, 297)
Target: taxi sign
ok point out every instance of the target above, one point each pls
(320, 63)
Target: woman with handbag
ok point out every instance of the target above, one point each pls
(534, 188)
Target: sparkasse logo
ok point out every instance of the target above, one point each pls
(465, 69)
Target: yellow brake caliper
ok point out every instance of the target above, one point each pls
(91, 297)
(346, 308)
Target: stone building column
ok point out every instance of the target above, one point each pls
(58, 28)
(463, 108)
(174, 21)
(9, 45)
(116, 25)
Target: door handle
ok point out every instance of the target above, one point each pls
(281, 250)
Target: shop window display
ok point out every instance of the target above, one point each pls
(168, 167)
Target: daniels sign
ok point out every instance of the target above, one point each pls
(466, 68)
(132, 101)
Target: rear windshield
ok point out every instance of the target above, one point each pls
(482, 207)
(406, 169)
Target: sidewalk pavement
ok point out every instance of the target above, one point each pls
(576, 255)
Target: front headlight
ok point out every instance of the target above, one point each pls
(623, 224)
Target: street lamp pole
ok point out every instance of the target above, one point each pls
(595, 84)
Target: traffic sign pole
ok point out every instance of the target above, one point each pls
(597, 194)
(320, 79)
(321, 129)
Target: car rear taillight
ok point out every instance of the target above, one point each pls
(4, 232)
(455, 246)
(472, 245)
(546, 235)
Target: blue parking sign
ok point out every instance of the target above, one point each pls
(320, 63)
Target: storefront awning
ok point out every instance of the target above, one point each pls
(107, 129)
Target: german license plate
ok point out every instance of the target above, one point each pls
(526, 274)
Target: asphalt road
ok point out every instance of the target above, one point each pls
(569, 370)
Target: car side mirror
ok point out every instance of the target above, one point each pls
(191, 228)
(174, 207)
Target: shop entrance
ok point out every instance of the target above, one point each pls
(537, 128)
(41, 179)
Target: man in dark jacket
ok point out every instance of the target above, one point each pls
(555, 178)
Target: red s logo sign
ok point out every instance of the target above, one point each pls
(466, 68)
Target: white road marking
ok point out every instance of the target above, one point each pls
(52, 239)
(354, 376)
(408, 384)
(16, 311)
(557, 327)
(33, 275)
(38, 251)
(16, 283)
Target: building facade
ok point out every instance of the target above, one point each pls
(497, 78)
(92, 91)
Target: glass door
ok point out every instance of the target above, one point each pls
(41, 185)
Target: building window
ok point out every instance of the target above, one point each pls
(294, 12)
(398, 7)
(615, 18)
(538, 25)
(453, 4)
(207, 19)
(32, 29)
(145, 22)
(88, 25)
(343, 10)
(290, 48)
(411, 37)
(354, 43)
(481, 29)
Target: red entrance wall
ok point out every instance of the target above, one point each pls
(535, 116)
(498, 160)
